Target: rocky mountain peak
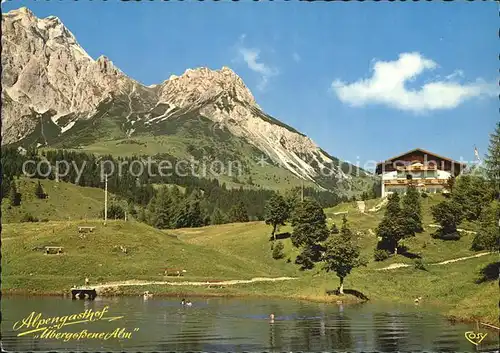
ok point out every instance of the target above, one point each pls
(44, 67)
(106, 66)
(201, 84)
(22, 11)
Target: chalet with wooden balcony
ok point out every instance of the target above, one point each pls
(428, 171)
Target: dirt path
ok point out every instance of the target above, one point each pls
(188, 283)
(462, 258)
(400, 264)
(379, 205)
(458, 229)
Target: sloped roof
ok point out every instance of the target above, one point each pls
(424, 152)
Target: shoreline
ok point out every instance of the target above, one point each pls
(320, 299)
(347, 299)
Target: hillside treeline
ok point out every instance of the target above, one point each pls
(149, 194)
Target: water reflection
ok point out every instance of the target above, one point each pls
(390, 332)
(245, 325)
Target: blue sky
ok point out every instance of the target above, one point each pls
(429, 69)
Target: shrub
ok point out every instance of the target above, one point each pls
(381, 254)
(28, 217)
(115, 211)
(278, 251)
(448, 236)
(489, 272)
(419, 265)
(424, 194)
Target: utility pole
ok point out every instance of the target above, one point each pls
(105, 200)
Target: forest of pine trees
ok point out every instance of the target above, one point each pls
(204, 201)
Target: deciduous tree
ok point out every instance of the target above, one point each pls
(342, 255)
(309, 230)
(276, 212)
(309, 224)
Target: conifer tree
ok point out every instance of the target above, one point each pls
(450, 183)
(150, 210)
(412, 210)
(196, 216)
(163, 211)
(292, 199)
(238, 213)
(393, 226)
(115, 211)
(493, 159)
(141, 215)
(131, 210)
(6, 181)
(488, 236)
(345, 231)
(39, 191)
(217, 217)
(175, 195)
(471, 193)
(14, 196)
(448, 214)
(182, 215)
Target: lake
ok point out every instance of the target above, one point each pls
(222, 324)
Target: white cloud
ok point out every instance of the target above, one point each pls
(387, 86)
(251, 56)
(296, 57)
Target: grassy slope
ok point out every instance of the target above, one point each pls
(265, 176)
(431, 250)
(450, 286)
(65, 201)
(239, 251)
(149, 252)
